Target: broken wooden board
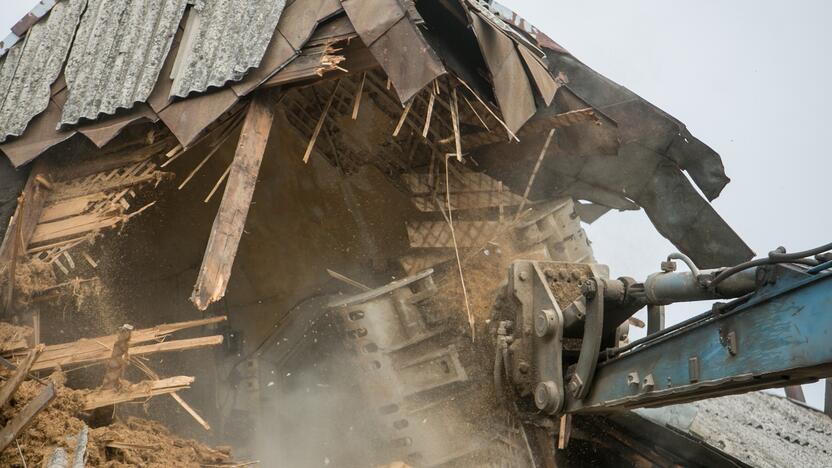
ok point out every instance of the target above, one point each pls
(178, 399)
(26, 215)
(138, 391)
(19, 375)
(22, 225)
(102, 354)
(90, 197)
(25, 417)
(233, 211)
(96, 349)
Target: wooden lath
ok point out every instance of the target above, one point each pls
(94, 350)
(137, 391)
(86, 198)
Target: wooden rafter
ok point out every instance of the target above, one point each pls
(231, 216)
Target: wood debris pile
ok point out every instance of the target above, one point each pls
(45, 422)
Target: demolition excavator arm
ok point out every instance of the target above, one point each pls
(559, 355)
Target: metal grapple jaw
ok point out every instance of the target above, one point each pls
(551, 332)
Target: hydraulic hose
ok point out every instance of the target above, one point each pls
(778, 255)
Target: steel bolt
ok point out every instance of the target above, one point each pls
(523, 367)
(669, 266)
(545, 322)
(523, 276)
(546, 396)
(574, 386)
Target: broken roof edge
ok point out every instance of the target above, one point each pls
(20, 28)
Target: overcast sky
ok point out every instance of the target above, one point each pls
(750, 78)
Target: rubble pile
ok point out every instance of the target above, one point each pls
(44, 422)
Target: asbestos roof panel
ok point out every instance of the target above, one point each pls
(297, 23)
(41, 134)
(223, 40)
(758, 428)
(118, 52)
(28, 70)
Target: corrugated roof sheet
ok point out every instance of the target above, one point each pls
(223, 39)
(758, 428)
(117, 55)
(30, 67)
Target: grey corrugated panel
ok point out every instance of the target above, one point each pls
(223, 39)
(41, 134)
(32, 65)
(117, 55)
(758, 428)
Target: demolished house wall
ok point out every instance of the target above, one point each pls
(379, 166)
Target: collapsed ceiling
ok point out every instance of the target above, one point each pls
(139, 69)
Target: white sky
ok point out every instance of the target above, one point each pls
(750, 78)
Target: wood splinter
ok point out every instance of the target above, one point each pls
(178, 399)
(455, 118)
(138, 391)
(431, 101)
(403, 117)
(347, 280)
(320, 123)
(358, 93)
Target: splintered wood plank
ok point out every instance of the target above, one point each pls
(26, 215)
(65, 191)
(69, 207)
(101, 354)
(138, 391)
(92, 347)
(23, 367)
(19, 232)
(71, 227)
(231, 216)
(25, 417)
(153, 375)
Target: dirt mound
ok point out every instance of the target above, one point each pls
(140, 442)
(133, 442)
